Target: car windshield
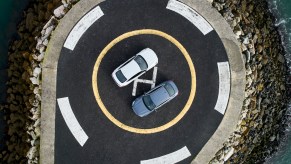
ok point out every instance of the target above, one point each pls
(170, 89)
(141, 62)
(149, 103)
(120, 76)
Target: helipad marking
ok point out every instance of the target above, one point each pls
(171, 158)
(82, 26)
(224, 87)
(192, 91)
(152, 82)
(71, 120)
(190, 14)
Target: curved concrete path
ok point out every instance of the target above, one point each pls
(69, 32)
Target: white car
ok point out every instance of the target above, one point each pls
(135, 67)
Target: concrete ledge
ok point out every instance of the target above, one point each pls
(49, 78)
(48, 116)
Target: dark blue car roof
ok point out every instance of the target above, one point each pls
(159, 96)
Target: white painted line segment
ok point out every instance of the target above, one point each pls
(154, 77)
(190, 14)
(171, 158)
(134, 88)
(71, 121)
(144, 81)
(82, 26)
(224, 87)
(152, 82)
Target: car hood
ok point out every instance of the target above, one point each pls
(139, 108)
(150, 56)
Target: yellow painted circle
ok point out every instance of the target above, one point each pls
(107, 113)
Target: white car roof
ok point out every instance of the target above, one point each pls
(130, 69)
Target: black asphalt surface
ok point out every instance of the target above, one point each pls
(107, 143)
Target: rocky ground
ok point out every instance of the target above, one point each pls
(257, 132)
(262, 117)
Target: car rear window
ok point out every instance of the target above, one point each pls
(170, 89)
(120, 76)
(149, 102)
(141, 62)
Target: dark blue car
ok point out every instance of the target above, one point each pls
(155, 98)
